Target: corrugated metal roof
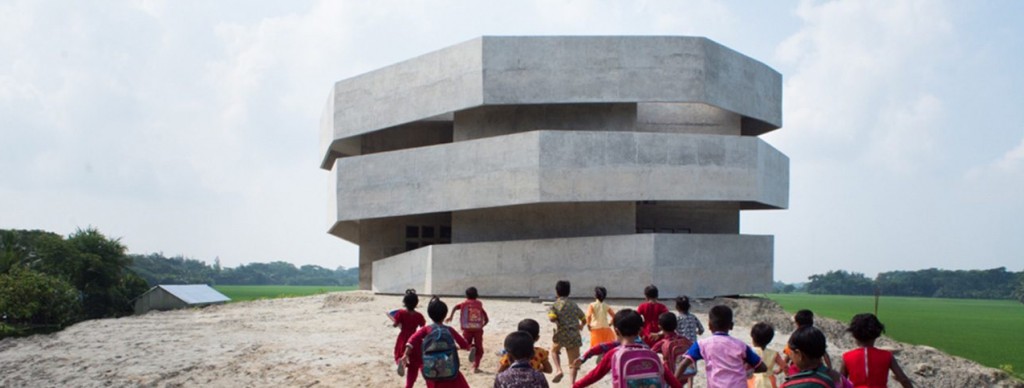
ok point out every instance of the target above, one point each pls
(195, 293)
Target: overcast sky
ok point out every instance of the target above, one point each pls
(191, 127)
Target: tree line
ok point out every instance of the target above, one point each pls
(995, 283)
(48, 281)
(155, 268)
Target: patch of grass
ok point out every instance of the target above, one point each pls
(990, 332)
(242, 293)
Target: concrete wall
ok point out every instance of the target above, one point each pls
(686, 118)
(679, 264)
(380, 238)
(555, 70)
(548, 220)
(488, 121)
(417, 134)
(401, 272)
(561, 166)
(689, 217)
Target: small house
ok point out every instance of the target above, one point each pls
(170, 297)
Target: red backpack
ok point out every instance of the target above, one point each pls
(472, 316)
(675, 351)
(637, 366)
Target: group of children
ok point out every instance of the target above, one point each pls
(646, 347)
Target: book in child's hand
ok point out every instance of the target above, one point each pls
(392, 314)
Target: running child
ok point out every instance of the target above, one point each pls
(726, 358)
(672, 346)
(802, 318)
(807, 348)
(631, 364)
(435, 347)
(869, 366)
(598, 314)
(539, 361)
(689, 325)
(519, 346)
(650, 310)
(472, 319)
(408, 321)
(569, 320)
(762, 334)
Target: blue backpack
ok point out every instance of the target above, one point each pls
(440, 356)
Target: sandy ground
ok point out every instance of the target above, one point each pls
(339, 340)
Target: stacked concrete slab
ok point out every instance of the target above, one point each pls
(507, 163)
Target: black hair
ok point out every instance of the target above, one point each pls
(651, 292)
(809, 341)
(683, 304)
(667, 322)
(720, 318)
(628, 322)
(600, 293)
(436, 309)
(866, 327)
(562, 288)
(530, 326)
(519, 345)
(804, 318)
(410, 300)
(471, 293)
(762, 334)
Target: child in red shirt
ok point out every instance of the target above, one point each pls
(408, 320)
(650, 310)
(436, 309)
(869, 366)
(627, 327)
(473, 318)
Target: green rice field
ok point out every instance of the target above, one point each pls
(990, 332)
(241, 293)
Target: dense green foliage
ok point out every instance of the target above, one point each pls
(840, 283)
(996, 283)
(240, 293)
(39, 267)
(157, 269)
(987, 331)
(1018, 293)
(32, 299)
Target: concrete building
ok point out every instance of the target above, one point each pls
(171, 297)
(508, 163)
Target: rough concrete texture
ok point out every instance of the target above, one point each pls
(679, 264)
(554, 70)
(615, 161)
(562, 166)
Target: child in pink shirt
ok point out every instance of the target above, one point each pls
(726, 358)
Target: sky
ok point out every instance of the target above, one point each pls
(192, 127)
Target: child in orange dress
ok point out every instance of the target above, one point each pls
(597, 319)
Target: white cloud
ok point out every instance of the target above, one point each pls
(860, 80)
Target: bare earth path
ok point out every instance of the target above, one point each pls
(336, 340)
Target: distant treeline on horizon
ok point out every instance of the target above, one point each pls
(155, 268)
(995, 283)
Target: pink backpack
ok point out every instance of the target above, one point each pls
(472, 316)
(636, 366)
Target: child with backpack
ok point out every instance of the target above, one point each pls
(869, 366)
(762, 334)
(807, 347)
(435, 347)
(569, 320)
(539, 361)
(802, 318)
(671, 346)
(520, 374)
(472, 318)
(689, 325)
(408, 321)
(631, 364)
(726, 358)
(650, 310)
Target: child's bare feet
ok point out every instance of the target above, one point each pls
(477, 370)
(557, 378)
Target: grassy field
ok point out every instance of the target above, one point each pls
(990, 332)
(240, 293)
